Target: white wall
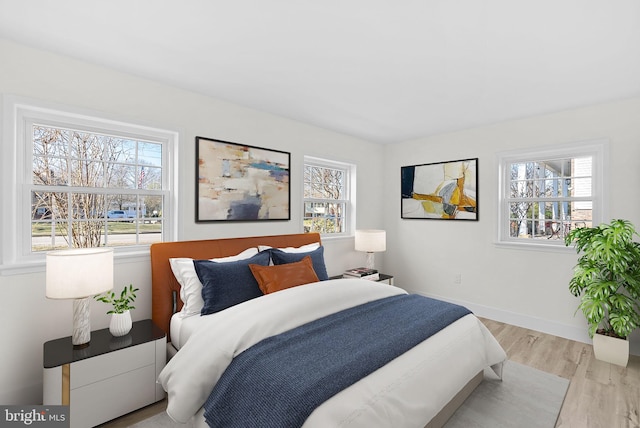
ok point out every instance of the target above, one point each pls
(28, 318)
(527, 288)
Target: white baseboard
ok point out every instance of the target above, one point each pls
(538, 324)
(525, 321)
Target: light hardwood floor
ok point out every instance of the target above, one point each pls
(600, 395)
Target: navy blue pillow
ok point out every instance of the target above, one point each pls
(227, 284)
(279, 257)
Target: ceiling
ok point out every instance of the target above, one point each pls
(384, 71)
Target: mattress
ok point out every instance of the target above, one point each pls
(182, 327)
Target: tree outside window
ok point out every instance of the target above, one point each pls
(326, 197)
(92, 189)
(547, 193)
(549, 197)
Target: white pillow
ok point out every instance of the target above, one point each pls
(303, 249)
(190, 285)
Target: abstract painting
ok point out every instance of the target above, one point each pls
(237, 182)
(443, 190)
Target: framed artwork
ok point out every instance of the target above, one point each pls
(442, 190)
(237, 182)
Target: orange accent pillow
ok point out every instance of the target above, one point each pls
(279, 277)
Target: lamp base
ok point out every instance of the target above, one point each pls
(81, 323)
(370, 260)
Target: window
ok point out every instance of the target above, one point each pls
(86, 182)
(327, 196)
(92, 190)
(546, 193)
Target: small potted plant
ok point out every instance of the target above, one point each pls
(607, 280)
(120, 316)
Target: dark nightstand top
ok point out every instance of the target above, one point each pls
(382, 277)
(60, 351)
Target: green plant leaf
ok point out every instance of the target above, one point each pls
(607, 276)
(122, 303)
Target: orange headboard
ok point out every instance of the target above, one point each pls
(164, 285)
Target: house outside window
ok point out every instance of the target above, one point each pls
(85, 181)
(328, 200)
(545, 193)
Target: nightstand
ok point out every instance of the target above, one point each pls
(387, 279)
(109, 378)
(383, 277)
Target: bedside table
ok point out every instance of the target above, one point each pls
(387, 279)
(384, 278)
(109, 378)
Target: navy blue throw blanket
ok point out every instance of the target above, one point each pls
(279, 381)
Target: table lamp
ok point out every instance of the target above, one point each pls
(371, 241)
(79, 274)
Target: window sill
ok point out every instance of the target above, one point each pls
(529, 246)
(38, 264)
(335, 237)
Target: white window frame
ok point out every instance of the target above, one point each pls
(597, 149)
(17, 154)
(350, 191)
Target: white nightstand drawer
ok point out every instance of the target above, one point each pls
(112, 397)
(95, 369)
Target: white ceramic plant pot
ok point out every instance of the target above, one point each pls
(120, 324)
(611, 349)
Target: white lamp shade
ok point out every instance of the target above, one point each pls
(371, 241)
(79, 273)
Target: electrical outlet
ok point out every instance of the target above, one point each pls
(457, 279)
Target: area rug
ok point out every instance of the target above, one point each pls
(526, 397)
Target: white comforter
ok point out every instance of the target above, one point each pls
(407, 392)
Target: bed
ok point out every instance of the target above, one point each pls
(421, 386)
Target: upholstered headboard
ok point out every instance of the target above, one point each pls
(164, 286)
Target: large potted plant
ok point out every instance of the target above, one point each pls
(607, 280)
(120, 316)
